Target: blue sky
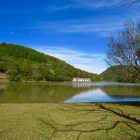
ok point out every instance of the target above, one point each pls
(73, 30)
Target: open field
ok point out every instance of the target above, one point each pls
(69, 122)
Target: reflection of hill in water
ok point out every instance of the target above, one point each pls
(60, 92)
(120, 91)
(36, 92)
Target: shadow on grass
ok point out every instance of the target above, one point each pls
(126, 120)
(121, 113)
(129, 103)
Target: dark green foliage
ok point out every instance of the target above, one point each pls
(22, 63)
(112, 73)
(119, 74)
(14, 72)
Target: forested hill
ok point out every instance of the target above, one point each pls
(22, 63)
(113, 73)
(118, 74)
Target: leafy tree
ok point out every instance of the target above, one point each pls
(14, 73)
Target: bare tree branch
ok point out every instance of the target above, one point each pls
(130, 2)
(124, 49)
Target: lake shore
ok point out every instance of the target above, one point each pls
(97, 121)
(43, 81)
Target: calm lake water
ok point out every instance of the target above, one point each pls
(68, 92)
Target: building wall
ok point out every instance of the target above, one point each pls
(81, 80)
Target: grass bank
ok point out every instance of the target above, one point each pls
(69, 122)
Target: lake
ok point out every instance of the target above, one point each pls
(68, 92)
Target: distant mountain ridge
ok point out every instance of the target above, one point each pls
(22, 63)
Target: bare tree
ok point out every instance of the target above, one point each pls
(129, 2)
(124, 48)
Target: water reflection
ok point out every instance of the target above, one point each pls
(68, 92)
(98, 95)
(81, 85)
(37, 92)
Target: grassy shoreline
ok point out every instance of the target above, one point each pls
(70, 121)
(7, 81)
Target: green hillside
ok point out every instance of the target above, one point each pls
(113, 73)
(22, 63)
(118, 74)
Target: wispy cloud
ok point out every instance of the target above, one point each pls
(86, 26)
(89, 28)
(91, 62)
(89, 25)
(62, 7)
(98, 4)
(90, 4)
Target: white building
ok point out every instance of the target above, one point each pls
(76, 79)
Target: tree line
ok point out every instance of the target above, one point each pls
(22, 63)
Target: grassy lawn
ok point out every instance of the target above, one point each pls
(69, 122)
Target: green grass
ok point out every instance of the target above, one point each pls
(69, 122)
